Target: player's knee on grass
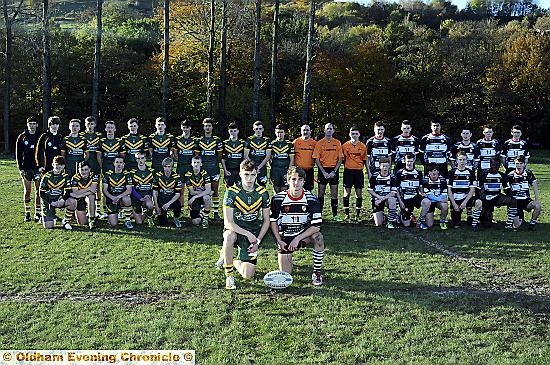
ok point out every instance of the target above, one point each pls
(378, 218)
(246, 269)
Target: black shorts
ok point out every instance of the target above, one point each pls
(354, 178)
(469, 204)
(378, 207)
(287, 240)
(332, 181)
(523, 203)
(410, 204)
(233, 178)
(137, 204)
(310, 176)
(31, 175)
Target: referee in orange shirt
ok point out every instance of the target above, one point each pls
(328, 157)
(303, 152)
(355, 157)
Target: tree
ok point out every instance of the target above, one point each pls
(274, 58)
(306, 97)
(211, 46)
(97, 61)
(8, 20)
(166, 60)
(223, 67)
(257, 45)
(46, 67)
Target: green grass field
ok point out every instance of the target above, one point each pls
(401, 296)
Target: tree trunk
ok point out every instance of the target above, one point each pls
(7, 77)
(46, 67)
(274, 58)
(256, 91)
(306, 99)
(166, 61)
(210, 76)
(97, 62)
(223, 67)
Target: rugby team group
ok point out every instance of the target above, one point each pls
(91, 175)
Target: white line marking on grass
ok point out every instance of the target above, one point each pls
(127, 298)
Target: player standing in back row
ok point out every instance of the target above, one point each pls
(258, 150)
(328, 157)
(210, 147)
(355, 156)
(434, 149)
(378, 147)
(303, 152)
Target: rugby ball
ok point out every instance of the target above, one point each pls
(277, 279)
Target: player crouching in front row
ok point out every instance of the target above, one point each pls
(199, 189)
(84, 189)
(54, 193)
(117, 187)
(295, 223)
(383, 189)
(435, 196)
(246, 222)
(166, 193)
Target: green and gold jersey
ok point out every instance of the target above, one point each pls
(110, 148)
(131, 144)
(92, 144)
(167, 186)
(185, 149)
(197, 181)
(143, 181)
(117, 181)
(54, 186)
(258, 147)
(280, 154)
(233, 153)
(247, 206)
(161, 145)
(209, 149)
(74, 147)
(82, 183)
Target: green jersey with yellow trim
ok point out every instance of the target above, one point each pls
(280, 155)
(247, 206)
(167, 186)
(197, 181)
(233, 153)
(54, 186)
(143, 181)
(80, 182)
(258, 147)
(131, 144)
(209, 149)
(162, 146)
(92, 144)
(185, 149)
(110, 148)
(117, 181)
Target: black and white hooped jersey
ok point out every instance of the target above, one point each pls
(408, 182)
(511, 149)
(492, 184)
(401, 145)
(382, 185)
(435, 148)
(376, 149)
(472, 153)
(487, 151)
(519, 184)
(295, 215)
(435, 187)
(460, 182)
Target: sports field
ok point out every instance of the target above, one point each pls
(401, 296)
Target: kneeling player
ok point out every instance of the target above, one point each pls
(409, 181)
(382, 188)
(166, 193)
(295, 223)
(143, 179)
(117, 187)
(461, 188)
(198, 186)
(84, 189)
(435, 192)
(491, 184)
(54, 193)
(246, 221)
(519, 181)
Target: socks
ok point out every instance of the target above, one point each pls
(318, 260)
(334, 206)
(346, 205)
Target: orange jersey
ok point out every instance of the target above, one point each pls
(303, 152)
(354, 156)
(328, 152)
